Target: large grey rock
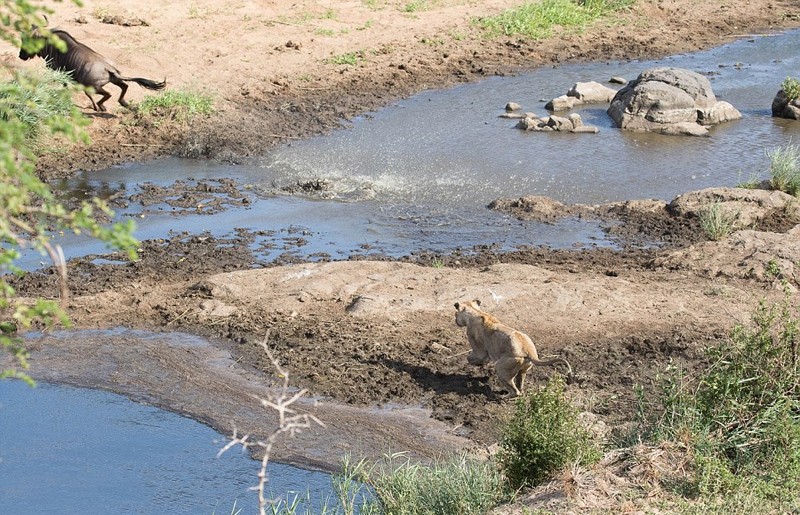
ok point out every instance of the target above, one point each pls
(782, 108)
(669, 101)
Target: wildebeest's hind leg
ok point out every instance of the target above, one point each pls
(94, 106)
(124, 87)
(105, 96)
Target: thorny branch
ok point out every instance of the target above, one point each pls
(289, 422)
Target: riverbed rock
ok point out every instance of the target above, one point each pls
(746, 254)
(562, 103)
(582, 93)
(783, 108)
(592, 92)
(669, 101)
(538, 208)
(573, 123)
(749, 205)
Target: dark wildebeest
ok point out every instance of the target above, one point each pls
(88, 68)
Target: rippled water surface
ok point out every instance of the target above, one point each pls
(71, 450)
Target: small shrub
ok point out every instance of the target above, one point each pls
(30, 98)
(717, 221)
(741, 416)
(791, 88)
(543, 436)
(457, 486)
(176, 105)
(784, 168)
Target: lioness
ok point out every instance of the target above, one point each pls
(512, 351)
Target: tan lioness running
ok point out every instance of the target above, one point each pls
(512, 351)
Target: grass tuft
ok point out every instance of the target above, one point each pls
(791, 88)
(717, 221)
(459, 486)
(349, 58)
(784, 168)
(176, 105)
(741, 416)
(536, 20)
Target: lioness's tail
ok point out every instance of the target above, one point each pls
(551, 361)
(146, 83)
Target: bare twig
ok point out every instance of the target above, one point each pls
(289, 422)
(55, 253)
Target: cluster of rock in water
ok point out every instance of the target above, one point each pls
(665, 100)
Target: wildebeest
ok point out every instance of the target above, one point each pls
(88, 68)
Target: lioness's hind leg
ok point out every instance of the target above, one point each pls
(507, 372)
(519, 379)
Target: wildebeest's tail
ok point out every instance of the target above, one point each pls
(551, 361)
(146, 83)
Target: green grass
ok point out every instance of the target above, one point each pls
(784, 168)
(717, 221)
(416, 6)
(29, 98)
(374, 5)
(791, 88)
(536, 20)
(349, 58)
(179, 105)
(740, 418)
(454, 486)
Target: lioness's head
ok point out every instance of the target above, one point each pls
(466, 311)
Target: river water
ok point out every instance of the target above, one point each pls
(418, 175)
(414, 176)
(73, 450)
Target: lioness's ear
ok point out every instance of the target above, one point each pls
(477, 302)
(457, 306)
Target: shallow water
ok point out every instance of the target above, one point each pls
(73, 450)
(418, 175)
(449, 147)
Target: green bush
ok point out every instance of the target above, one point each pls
(741, 416)
(784, 168)
(791, 88)
(31, 98)
(543, 436)
(455, 486)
